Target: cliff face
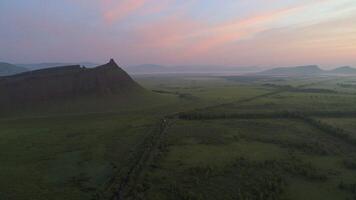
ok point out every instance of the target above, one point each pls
(66, 82)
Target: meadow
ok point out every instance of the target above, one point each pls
(188, 137)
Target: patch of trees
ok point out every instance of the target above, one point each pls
(241, 179)
(163, 92)
(290, 88)
(306, 146)
(345, 85)
(212, 116)
(349, 188)
(186, 96)
(297, 167)
(250, 79)
(326, 128)
(350, 163)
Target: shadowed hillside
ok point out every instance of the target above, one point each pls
(68, 82)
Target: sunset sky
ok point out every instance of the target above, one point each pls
(180, 32)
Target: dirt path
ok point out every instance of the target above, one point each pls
(148, 149)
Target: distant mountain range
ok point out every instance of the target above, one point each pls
(67, 82)
(7, 69)
(308, 70)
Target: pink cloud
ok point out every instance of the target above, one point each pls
(189, 38)
(178, 37)
(117, 11)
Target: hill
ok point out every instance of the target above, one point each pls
(67, 82)
(36, 66)
(343, 70)
(7, 69)
(309, 70)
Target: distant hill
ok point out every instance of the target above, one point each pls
(147, 69)
(309, 70)
(36, 66)
(343, 70)
(68, 82)
(7, 69)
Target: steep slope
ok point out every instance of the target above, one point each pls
(68, 82)
(309, 70)
(7, 69)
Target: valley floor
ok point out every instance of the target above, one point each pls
(192, 137)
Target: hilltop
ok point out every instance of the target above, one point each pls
(293, 71)
(7, 69)
(67, 82)
(308, 70)
(344, 70)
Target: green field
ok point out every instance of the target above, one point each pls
(188, 137)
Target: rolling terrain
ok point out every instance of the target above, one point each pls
(186, 137)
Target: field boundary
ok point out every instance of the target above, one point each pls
(147, 149)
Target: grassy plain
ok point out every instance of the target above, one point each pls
(139, 148)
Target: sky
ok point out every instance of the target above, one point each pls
(180, 32)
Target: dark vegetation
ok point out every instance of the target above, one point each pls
(302, 90)
(337, 132)
(346, 85)
(186, 96)
(191, 144)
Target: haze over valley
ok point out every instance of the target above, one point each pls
(245, 100)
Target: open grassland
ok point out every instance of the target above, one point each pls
(66, 157)
(188, 137)
(268, 146)
(250, 159)
(200, 90)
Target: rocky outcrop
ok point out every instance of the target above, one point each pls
(66, 82)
